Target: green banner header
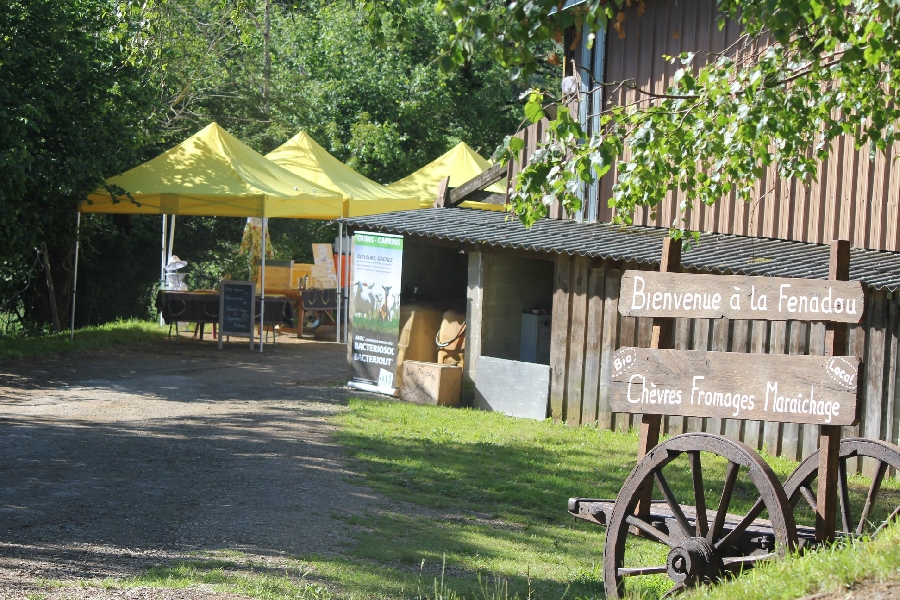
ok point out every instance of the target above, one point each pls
(380, 241)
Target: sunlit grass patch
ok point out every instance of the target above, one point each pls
(87, 339)
(835, 568)
(289, 582)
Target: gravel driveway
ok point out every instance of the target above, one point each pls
(118, 460)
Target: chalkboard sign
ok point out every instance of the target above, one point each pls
(237, 308)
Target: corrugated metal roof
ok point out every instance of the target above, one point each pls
(716, 253)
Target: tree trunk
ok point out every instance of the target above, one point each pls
(45, 255)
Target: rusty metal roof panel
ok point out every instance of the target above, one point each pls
(715, 253)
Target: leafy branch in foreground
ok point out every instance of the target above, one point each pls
(802, 75)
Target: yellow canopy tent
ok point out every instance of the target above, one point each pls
(302, 156)
(212, 173)
(460, 164)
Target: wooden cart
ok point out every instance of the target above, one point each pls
(700, 543)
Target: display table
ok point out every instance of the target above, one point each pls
(203, 307)
(295, 297)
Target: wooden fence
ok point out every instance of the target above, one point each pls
(587, 329)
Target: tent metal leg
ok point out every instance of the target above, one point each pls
(162, 265)
(171, 241)
(340, 265)
(262, 286)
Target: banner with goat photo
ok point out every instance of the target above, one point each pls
(375, 311)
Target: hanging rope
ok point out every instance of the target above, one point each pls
(440, 344)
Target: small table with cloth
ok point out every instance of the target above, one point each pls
(203, 307)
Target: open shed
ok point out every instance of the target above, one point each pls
(577, 267)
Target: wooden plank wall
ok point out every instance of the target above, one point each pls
(852, 197)
(587, 330)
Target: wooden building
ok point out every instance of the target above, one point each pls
(576, 269)
(574, 263)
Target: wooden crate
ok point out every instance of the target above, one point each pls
(431, 383)
(278, 275)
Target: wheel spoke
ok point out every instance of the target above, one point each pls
(887, 521)
(807, 493)
(666, 491)
(632, 571)
(674, 591)
(702, 525)
(730, 479)
(871, 496)
(735, 533)
(844, 496)
(747, 560)
(650, 530)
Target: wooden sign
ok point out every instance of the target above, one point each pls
(237, 309)
(652, 294)
(760, 387)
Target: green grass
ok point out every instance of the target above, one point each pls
(89, 338)
(227, 576)
(838, 568)
(489, 495)
(237, 577)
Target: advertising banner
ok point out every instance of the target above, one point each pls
(375, 311)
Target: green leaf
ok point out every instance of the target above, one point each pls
(534, 112)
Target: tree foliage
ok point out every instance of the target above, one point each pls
(92, 88)
(803, 73)
(72, 110)
(374, 97)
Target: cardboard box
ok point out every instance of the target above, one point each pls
(431, 383)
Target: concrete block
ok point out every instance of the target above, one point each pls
(512, 387)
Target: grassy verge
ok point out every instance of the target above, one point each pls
(839, 568)
(483, 495)
(89, 338)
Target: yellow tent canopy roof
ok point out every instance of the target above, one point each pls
(460, 164)
(303, 156)
(212, 173)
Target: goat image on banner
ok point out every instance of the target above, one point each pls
(375, 311)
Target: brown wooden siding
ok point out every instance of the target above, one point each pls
(587, 330)
(853, 197)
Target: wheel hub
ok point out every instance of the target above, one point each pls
(694, 560)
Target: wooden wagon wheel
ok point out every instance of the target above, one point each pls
(702, 545)
(874, 511)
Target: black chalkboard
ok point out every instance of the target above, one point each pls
(237, 309)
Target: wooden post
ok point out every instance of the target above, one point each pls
(663, 337)
(443, 194)
(830, 435)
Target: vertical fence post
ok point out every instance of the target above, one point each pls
(830, 435)
(663, 337)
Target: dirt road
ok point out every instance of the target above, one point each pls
(115, 461)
